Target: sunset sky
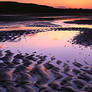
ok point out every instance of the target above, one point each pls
(60, 3)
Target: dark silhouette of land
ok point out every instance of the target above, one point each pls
(89, 22)
(34, 9)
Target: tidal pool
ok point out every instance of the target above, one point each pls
(37, 54)
(61, 44)
(65, 45)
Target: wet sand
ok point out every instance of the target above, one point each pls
(24, 72)
(35, 73)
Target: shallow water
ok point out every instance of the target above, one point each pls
(61, 44)
(47, 42)
(52, 43)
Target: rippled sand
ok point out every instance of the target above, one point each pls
(34, 73)
(45, 54)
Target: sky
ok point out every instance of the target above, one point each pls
(60, 3)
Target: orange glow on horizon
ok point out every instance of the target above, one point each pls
(60, 3)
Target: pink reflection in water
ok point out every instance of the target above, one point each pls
(56, 43)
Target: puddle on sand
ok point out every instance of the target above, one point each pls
(67, 46)
(55, 43)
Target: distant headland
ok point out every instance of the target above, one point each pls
(34, 9)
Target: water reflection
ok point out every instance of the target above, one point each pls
(59, 21)
(55, 52)
(57, 43)
(29, 36)
(64, 25)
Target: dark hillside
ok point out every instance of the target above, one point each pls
(22, 8)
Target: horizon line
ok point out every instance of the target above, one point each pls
(46, 5)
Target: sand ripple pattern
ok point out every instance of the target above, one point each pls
(34, 73)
